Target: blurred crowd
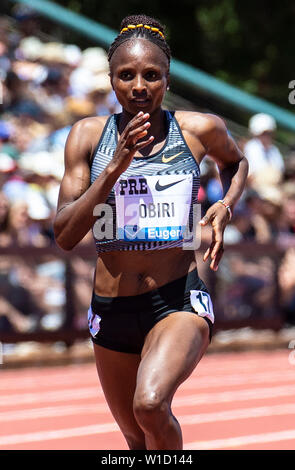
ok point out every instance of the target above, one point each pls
(46, 86)
(265, 214)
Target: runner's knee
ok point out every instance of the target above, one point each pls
(150, 408)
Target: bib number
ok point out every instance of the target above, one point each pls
(202, 304)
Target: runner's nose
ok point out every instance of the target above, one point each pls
(139, 86)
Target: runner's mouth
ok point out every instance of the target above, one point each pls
(141, 101)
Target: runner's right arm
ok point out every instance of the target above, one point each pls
(77, 197)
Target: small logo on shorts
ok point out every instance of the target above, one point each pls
(93, 322)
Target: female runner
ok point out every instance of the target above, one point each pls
(134, 178)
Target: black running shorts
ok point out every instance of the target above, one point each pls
(122, 323)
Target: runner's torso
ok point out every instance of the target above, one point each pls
(160, 185)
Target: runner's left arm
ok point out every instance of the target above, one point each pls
(233, 170)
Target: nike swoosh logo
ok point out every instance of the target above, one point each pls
(168, 159)
(159, 187)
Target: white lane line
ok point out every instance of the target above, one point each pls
(208, 366)
(113, 427)
(47, 380)
(58, 434)
(179, 400)
(191, 419)
(235, 395)
(192, 382)
(237, 414)
(243, 440)
(238, 379)
(52, 412)
(60, 395)
(262, 361)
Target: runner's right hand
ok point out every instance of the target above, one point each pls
(128, 143)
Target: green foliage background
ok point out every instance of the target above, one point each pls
(248, 44)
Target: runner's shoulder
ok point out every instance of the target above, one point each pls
(84, 136)
(200, 124)
(89, 126)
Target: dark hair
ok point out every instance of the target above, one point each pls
(141, 32)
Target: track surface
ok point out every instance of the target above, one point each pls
(242, 400)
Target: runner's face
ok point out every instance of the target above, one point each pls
(139, 76)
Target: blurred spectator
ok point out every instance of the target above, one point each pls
(93, 63)
(32, 296)
(19, 98)
(257, 218)
(241, 228)
(261, 152)
(18, 309)
(27, 18)
(7, 147)
(246, 287)
(99, 94)
(287, 230)
(20, 230)
(289, 173)
(211, 189)
(266, 214)
(51, 95)
(4, 211)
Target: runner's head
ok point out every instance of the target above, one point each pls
(144, 27)
(139, 61)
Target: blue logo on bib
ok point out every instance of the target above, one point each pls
(131, 232)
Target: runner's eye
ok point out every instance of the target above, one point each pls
(151, 76)
(125, 75)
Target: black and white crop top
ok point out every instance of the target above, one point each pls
(151, 204)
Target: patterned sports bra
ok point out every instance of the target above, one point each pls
(151, 205)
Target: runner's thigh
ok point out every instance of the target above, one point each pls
(172, 349)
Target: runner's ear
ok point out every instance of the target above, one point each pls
(111, 78)
(168, 81)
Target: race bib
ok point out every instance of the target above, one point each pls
(202, 304)
(153, 208)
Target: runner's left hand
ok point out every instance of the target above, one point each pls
(218, 216)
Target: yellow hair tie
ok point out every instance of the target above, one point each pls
(158, 31)
(133, 26)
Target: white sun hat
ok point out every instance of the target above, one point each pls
(260, 123)
(95, 59)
